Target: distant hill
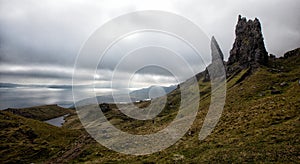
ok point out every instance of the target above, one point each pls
(41, 113)
(145, 93)
(137, 95)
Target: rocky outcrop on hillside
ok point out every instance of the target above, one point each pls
(292, 53)
(248, 49)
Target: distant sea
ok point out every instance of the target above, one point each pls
(21, 97)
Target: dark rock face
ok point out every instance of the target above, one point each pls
(104, 107)
(249, 48)
(295, 52)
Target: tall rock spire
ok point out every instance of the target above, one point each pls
(216, 68)
(248, 49)
(216, 51)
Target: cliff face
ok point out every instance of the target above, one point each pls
(248, 49)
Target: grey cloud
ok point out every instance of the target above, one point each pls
(36, 34)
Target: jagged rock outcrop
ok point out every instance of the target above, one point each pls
(248, 49)
(295, 52)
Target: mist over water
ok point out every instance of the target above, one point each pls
(21, 97)
(29, 96)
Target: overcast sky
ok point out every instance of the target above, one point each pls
(39, 39)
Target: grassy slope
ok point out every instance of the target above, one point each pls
(25, 140)
(255, 126)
